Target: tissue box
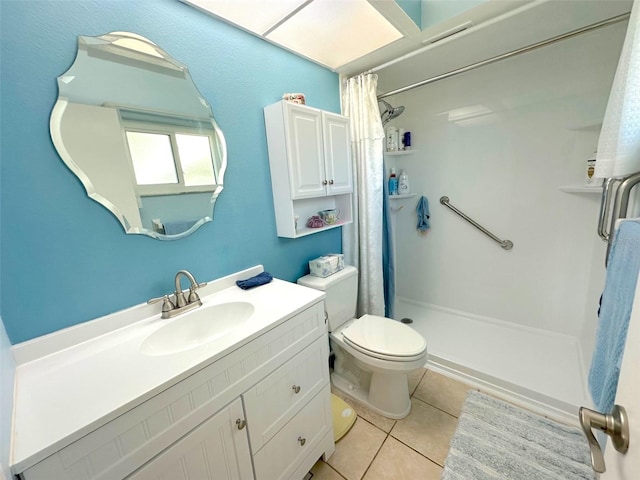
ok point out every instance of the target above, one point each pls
(326, 265)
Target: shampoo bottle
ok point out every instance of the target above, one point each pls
(403, 183)
(392, 139)
(393, 182)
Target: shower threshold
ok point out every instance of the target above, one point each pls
(537, 369)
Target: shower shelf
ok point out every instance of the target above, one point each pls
(399, 153)
(400, 197)
(580, 189)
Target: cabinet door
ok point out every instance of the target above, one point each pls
(337, 152)
(217, 449)
(304, 144)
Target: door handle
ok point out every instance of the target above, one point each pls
(615, 424)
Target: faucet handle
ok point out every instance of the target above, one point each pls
(167, 305)
(193, 295)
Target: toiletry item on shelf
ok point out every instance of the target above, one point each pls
(401, 133)
(392, 139)
(589, 180)
(393, 182)
(403, 183)
(330, 216)
(315, 222)
(407, 140)
(295, 98)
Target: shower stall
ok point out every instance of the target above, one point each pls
(508, 144)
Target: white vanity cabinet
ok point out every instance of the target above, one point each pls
(261, 411)
(216, 449)
(310, 163)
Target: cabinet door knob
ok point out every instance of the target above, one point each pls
(240, 424)
(330, 182)
(302, 441)
(296, 388)
(324, 182)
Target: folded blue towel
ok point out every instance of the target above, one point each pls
(423, 214)
(615, 312)
(177, 227)
(256, 281)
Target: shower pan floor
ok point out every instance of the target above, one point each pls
(537, 368)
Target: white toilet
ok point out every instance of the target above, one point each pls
(373, 355)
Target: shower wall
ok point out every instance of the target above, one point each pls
(499, 141)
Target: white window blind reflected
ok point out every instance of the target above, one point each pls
(152, 158)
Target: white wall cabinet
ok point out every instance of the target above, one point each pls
(310, 163)
(196, 430)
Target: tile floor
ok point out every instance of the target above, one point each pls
(378, 448)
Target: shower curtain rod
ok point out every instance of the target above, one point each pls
(543, 43)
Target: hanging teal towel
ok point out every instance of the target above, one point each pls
(423, 214)
(615, 313)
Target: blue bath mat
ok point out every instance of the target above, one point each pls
(496, 440)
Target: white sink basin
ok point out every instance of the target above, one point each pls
(197, 327)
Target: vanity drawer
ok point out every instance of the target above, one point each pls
(276, 399)
(280, 457)
(114, 450)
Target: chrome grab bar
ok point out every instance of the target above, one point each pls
(506, 244)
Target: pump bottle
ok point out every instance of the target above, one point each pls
(393, 182)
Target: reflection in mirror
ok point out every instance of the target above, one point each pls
(132, 126)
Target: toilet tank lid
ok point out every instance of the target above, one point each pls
(320, 283)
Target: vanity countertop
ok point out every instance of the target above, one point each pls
(66, 393)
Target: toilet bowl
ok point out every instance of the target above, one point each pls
(373, 354)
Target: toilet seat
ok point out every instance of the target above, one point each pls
(383, 338)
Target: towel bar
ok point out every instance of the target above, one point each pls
(620, 190)
(506, 244)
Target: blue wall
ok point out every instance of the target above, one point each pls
(65, 259)
(413, 8)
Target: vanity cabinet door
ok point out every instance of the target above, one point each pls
(337, 153)
(218, 449)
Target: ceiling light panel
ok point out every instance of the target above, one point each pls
(335, 32)
(257, 16)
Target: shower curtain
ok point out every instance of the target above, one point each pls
(362, 241)
(619, 144)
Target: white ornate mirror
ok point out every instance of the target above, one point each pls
(131, 125)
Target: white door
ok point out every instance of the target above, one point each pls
(627, 466)
(337, 153)
(305, 151)
(216, 450)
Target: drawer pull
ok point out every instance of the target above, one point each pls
(296, 388)
(302, 441)
(240, 424)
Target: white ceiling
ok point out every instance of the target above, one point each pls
(352, 36)
(346, 36)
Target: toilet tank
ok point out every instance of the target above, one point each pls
(341, 291)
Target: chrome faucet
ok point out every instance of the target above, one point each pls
(180, 304)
